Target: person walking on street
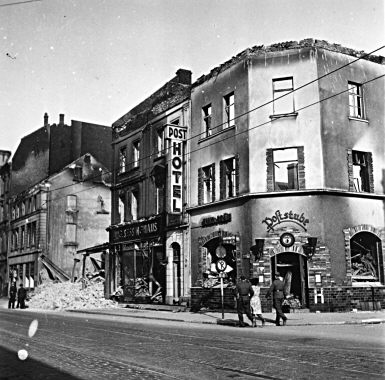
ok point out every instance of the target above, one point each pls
(276, 289)
(12, 296)
(243, 293)
(255, 303)
(21, 296)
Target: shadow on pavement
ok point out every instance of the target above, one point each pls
(12, 368)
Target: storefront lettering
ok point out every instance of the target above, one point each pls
(136, 230)
(287, 217)
(213, 220)
(176, 135)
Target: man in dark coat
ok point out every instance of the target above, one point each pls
(276, 289)
(244, 292)
(12, 296)
(21, 296)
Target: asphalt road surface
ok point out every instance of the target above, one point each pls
(81, 346)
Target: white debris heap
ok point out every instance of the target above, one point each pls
(69, 295)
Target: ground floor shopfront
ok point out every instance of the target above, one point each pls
(148, 261)
(328, 248)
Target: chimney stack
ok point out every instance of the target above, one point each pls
(184, 76)
(45, 119)
(61, 119)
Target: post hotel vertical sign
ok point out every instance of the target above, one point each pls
(176, 135)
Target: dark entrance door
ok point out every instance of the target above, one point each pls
(293, 268)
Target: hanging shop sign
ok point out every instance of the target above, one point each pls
(214, 220)
(142, 229)
(285, 217)
(176, 135)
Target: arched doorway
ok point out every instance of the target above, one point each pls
(176, 270)
(293, 268)
(366, 257)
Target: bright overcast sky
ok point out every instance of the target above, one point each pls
(94, 60)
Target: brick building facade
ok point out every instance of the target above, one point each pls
(288, 152)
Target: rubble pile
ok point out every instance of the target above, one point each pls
(69, 295)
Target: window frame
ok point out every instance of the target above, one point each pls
(122, 159)
(136, 153)
(229, 110)
(207, 112)
(281, 92)
(208, 178)
(356, 101)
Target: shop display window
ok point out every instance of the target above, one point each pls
(366, 258)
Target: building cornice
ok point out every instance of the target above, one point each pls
(280, 194)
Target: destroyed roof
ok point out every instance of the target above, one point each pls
(174, 92)
(288, 45)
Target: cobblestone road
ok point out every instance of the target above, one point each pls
(95, 347)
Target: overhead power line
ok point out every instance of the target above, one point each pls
(240, 132)
(272, 100)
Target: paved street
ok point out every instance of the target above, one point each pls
(83, 346)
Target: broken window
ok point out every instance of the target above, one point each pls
(134, 204)
(122, 159)
(136, 153)
(207, 120)
(361, 171)
(229, 178)
(356, 103)
(285, 162)
(229, 110)
(208, 184)
(366, 258)
(283, 96)
(160, 148)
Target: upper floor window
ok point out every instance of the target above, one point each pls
(229, 110)
(285, 169)
(207, 120)
(283, 97)
(206, 184)
(361, 171)
(356, 102)
(229, 178)
(159, 199)
(71, 202)
(135, 153)
(134, 204)
(160, 142)
(122, 159)
(23, 208)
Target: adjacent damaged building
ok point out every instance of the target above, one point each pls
(59, 200)
(149, 255)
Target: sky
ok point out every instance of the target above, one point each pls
(94, 60)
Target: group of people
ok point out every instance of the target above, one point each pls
(249, 300)
(20, 294)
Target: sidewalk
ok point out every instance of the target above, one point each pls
(231, 318)
(177, 314)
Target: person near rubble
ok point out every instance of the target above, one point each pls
(243, 292)
(277, 290)
(255, 302)
(12, 296)
(21, 296)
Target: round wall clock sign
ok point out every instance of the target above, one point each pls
(287, 239)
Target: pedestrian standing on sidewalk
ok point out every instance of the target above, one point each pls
(276, 289)
(243, 293)
(21, 296)
(255, 302)
(12, 296)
